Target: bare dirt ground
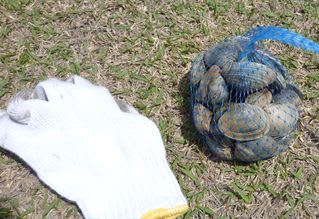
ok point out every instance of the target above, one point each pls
(142, 51)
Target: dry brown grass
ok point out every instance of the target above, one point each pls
(143, 51)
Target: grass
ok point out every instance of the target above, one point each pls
(142, 51)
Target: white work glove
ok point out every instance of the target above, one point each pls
(81, 144)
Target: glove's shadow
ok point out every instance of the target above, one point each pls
(188, 129)
(25, 165)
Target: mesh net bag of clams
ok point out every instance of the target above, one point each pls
(244, 102)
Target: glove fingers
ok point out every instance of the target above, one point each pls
(125, 107)
(77, 80)
(23, 116)
(24, 111)
(20, 106)
(105, 99)
(122, 105)
(78, 92)
(56, 90)
(28, 94)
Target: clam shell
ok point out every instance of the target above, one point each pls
(295, 88)
(214, 132)
(249, 76)
(280, 82)
(217, 136)
(260, 149)
(218, 112)
(260, 98)
(225, 53)
(265, 57)
(202, 117)
(287, 140)
(224, 153)
(244, 122)
(288, 96)
(212, 89)
(198, 69)
(283, 119)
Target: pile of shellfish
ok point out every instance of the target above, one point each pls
(245, 108)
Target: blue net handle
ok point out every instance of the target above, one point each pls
(279, 34)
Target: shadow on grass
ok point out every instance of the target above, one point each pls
(188, 129)
(33, 172)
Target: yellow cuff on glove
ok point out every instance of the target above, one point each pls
(166, 213)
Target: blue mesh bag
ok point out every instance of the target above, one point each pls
(244, 102)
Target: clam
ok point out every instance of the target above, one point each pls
(260, 98)
(265, 57)
(283, 119)
(202, 118)
(287, 140)
(244, 122)
(214, 132)
(295, 88)
(197, 70)
(279, 83)
(216, 135)
(224, 153)
(288, 96)
(212, 89)
(225, 53)
(260, 149)
(249, 76)
(218, 112)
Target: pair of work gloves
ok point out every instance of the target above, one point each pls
(93, 150)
